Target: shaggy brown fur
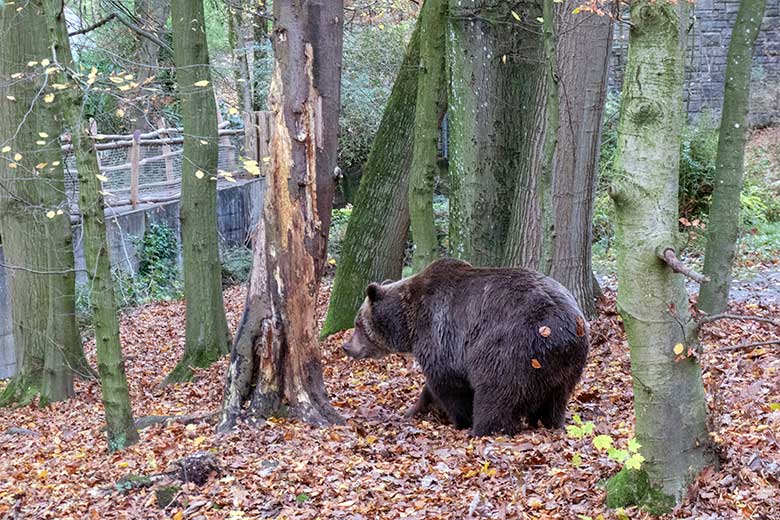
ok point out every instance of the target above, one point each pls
(495, 345)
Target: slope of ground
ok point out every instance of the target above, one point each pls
(53, 462)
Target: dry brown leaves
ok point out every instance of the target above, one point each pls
(378, 465)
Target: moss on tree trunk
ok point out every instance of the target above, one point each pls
(723, 227)
(669, 400)
(206, 334)
(120, 428)
(432, 87)
(496, 122)
(373, 248)
(35, 218)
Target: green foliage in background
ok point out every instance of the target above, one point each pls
(372, 57)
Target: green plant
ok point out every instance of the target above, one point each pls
(372, 57)
(158, 268)
(236, 264)
(697, 168)
(338, 230)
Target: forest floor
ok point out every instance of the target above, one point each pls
(54, 464)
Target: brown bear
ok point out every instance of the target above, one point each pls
(496, 345)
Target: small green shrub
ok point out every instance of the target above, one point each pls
(158, 277)
(236, 265)
(697, 168)
(338, 230)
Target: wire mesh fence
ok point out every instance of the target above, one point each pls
(156, 170)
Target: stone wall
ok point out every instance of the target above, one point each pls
(708, 43)
(238, 208)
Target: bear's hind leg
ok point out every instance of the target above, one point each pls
(493, 414)
(552, 411)
(457, 400)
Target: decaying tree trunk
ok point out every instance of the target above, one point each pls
(373, 248)
(276, 359)
(669, 400)
(35, 217)
(120, 428)
(584, 43)
(206, 336)
(432, 85)
(496, 122)
(723, 227)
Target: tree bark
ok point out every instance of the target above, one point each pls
(669, 400)
(35, 218)
(373, 248)
(431, 104)
(120, 429)
(723, 227)
(239, 47)
(584, 44)
(277, 343)
(152, 16)
(552, 126)
(496, 122)
(206, 335)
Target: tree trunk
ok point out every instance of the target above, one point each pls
(239, 47)
(669, 401)
(496, 123)
(206, 335)
(584, 43)
(723, 227)
(35, 218)
(373, 248)
(120, 429)
(277, 340)
(431, 105)
(552, 126)
(152, 15)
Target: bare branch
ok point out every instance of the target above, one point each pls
(35, 271)
(668, 255)
(749, 345)
(141, 32)
(94, 26)
(127, 23)
(739, 317)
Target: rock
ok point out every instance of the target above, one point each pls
(22, 431)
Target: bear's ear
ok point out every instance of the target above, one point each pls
(374, 292)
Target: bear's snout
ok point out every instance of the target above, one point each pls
(351, 349)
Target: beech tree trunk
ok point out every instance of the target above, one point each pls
(206, 335)
(669, 400)
(723, 227)
(431, 103)
(120, 428)
(496, 121)
(583, 46)
(373, 248)
(35, 218)
(277, 350)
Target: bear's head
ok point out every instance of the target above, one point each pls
(381, 324)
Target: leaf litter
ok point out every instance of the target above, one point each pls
(53, 462)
